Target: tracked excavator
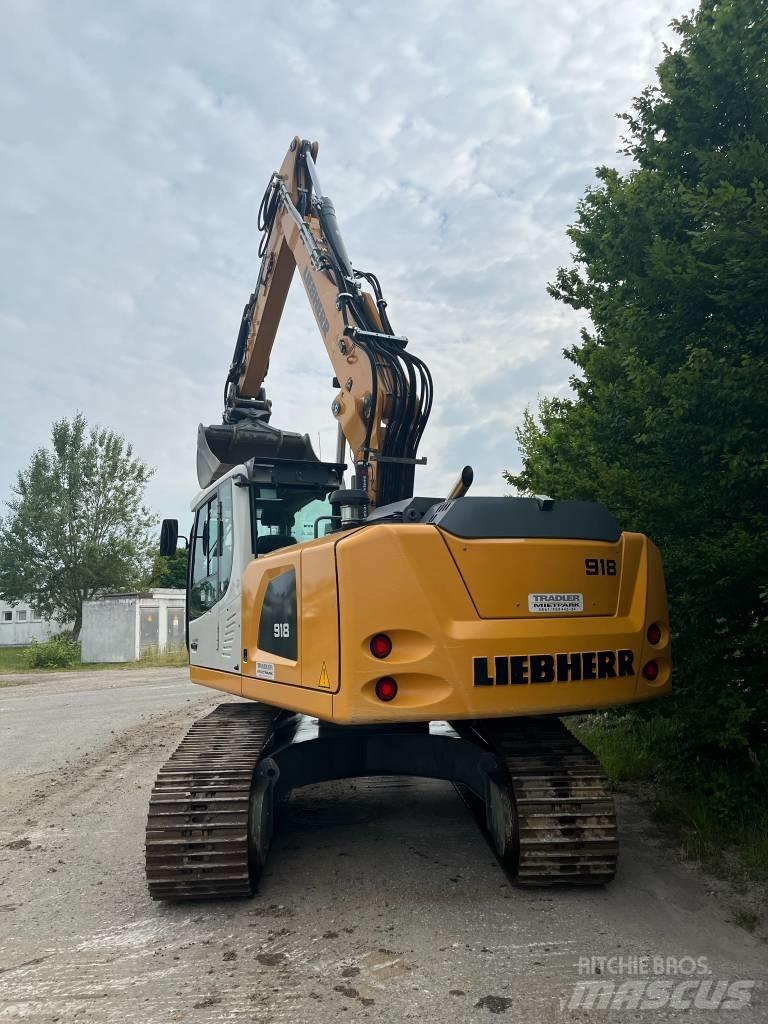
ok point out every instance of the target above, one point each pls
(371, 631)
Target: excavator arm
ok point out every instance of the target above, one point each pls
(385, 392)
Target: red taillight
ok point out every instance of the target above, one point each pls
(654, 633)
(381, 646)
(386, 688)
(651, 670)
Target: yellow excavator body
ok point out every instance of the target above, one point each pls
(467, 640)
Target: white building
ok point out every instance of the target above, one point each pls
(21, 624)
(123, 627)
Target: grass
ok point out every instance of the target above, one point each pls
(12, 659)
(170, 659)
(12, 662)
(737, 850)
(746, 919)
(632, 752)
(628, 749)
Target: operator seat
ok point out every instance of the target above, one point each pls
(272, 542)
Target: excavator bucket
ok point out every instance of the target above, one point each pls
(223, 446)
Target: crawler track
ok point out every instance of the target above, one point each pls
(206, 834)
(197, 840)
(566, 820)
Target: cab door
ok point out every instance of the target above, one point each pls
(230, 610)
(214, 593)
(202, 605)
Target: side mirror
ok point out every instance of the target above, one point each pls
(169, 537)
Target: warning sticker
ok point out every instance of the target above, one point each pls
(265, 670)
(324, 681)
(556, 603)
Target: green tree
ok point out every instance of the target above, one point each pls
(76, 525)
(170, 571)
(668, 424)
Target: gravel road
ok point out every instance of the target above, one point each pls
(381, 900)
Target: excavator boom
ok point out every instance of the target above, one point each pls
(385, 393)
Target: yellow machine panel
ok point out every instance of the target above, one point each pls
(502, 576)
(432, 594)
(450, 662)
(306, 681)
(259, 582)
(320, 617)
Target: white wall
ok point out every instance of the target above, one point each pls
(112, 625)
(24, 625)
(109, 630)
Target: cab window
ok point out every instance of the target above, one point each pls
(305, 519)
(280, 523)
(227, 541)
(213, 541)
(203, 593)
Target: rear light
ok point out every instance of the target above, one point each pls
(654, 633)
(651, 670)
(381, 645)
(386, 688)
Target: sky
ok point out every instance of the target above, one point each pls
(136, 140)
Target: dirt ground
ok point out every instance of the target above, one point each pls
(381, 900)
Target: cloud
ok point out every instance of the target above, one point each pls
(455, 141)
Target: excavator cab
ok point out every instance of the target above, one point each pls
(244, 513)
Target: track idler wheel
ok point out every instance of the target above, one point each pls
(501, 821)
(261, 817)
